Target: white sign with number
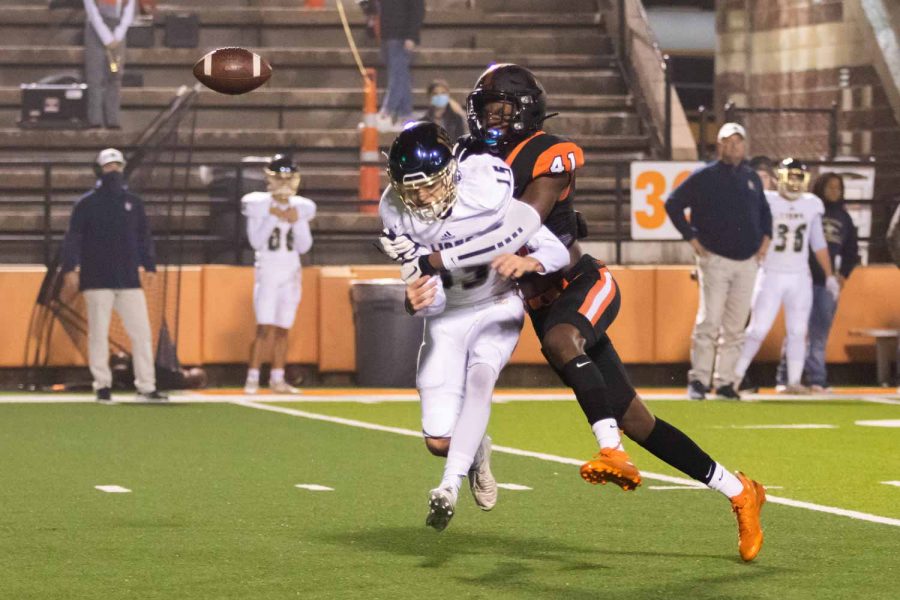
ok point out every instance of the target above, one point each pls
(651, 184)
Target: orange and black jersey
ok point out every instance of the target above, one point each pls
(547, 154)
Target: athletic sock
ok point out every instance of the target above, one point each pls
(276, 376)
(725, 482)
(582, 375)
(471, 425)
(607, 432)
(252, 374)
(479, 455)
(453, 483)
(675, 448)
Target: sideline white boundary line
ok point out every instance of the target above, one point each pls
(852, 514)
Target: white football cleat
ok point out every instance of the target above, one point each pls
(792, 388)
(251, 386)
(441, 506)
(283, 387)
(481, 480)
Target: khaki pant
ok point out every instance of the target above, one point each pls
(726, 289)
(131, 305)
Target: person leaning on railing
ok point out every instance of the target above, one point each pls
(105, 25)
(730, 230)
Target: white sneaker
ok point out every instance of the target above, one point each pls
(283, 387)
(251, 386)
(792, 388)
(441, 506)
(481, 480)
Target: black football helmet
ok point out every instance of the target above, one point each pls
(423, 170)
(793, 178)
(516, 86)
(282, 176)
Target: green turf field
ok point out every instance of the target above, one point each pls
(213, 510)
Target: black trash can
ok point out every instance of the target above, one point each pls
(387, 338)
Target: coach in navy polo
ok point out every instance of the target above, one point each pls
(108, 240)
(730, 228)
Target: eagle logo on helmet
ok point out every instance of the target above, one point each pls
(282, 177)
(507, 104)
(793, 178)
(423, 171)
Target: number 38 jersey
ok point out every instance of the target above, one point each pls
(278, 243)
(484, 194)
(793, 222)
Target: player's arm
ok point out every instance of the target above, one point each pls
(303, 240)
(765, 221)
(819, 246)
(545, 254)
(425, 297)
(260, 223)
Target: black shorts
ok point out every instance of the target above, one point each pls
(590, 300)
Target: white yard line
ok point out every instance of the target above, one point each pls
(894, 483)
(786, 426)
(852, 514)
(517, 487)
(314, 487)
(113, 489)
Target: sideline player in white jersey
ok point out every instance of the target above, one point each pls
(278, 229)
(784, 275)
(474, 315)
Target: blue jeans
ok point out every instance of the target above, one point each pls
(820, 318)
(398, 96)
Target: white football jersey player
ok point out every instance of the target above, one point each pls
(278, 245)
(484, 197)
(796, 224)
(784, 279)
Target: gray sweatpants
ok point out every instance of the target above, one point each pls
(103, 86)
(131, 304)
(726, 289)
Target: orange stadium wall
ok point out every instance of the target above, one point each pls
(654, 323)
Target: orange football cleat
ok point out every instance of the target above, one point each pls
(611, 465)
(747, 506)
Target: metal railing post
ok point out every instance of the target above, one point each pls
(622, 25)
(667, 134)
(48, 213)
(701, 147)
(619, 201)
(833, 131)
(238, 187)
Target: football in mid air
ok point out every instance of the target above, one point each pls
(232, 70)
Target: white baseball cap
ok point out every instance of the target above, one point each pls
(110, 155)
(729, 129)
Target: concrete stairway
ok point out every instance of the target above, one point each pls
(312, 102)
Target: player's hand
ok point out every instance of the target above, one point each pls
(71, 281)
(275, 211)
(833, 287)
(399, 248)
(113, 45)
(513, 266)
(421, 292)
(699, 250)
(290, 215)
(409, 45)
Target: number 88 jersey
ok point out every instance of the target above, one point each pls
(793, 222)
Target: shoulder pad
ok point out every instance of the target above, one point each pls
(547, 154)
(486, 183)
(389, 209)
(306, 208)
(255, 204)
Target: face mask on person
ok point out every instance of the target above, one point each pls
(440, 100)
(114, 181)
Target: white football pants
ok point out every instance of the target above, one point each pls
(794, 291)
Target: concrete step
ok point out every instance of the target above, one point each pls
(515, 43)
(324, 68)
(253, 141)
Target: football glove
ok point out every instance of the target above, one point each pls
(399, 248)
(833, 287)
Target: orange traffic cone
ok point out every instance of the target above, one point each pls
(315, 4)
(370, 165)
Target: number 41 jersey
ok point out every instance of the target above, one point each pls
(793, 221)
(484, 194)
